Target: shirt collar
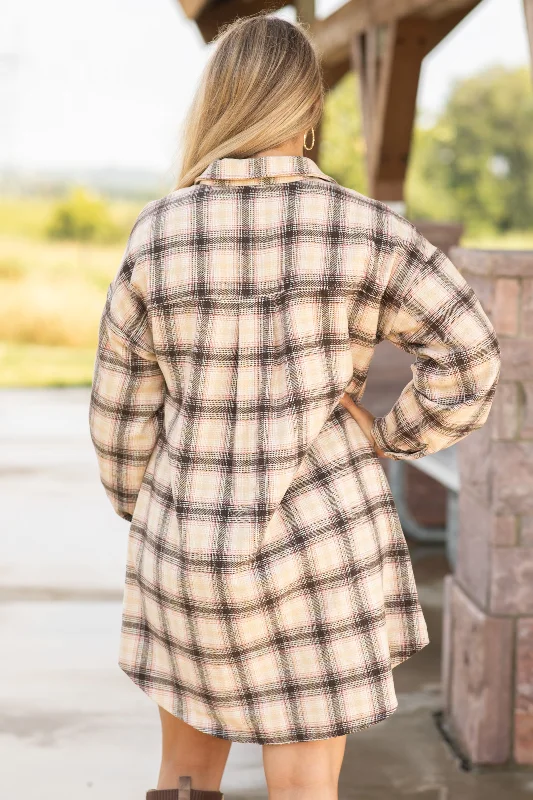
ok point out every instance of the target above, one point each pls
(261, 170)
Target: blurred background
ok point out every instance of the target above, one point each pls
(92, 100)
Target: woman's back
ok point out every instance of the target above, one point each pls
(262, 295)
(269, 589)
(261, 516)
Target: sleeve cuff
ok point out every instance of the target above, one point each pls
(397, 455)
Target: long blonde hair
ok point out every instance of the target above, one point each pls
(262, 85)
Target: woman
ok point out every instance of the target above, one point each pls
(269, 591)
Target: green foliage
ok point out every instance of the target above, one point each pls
(476, 163)
(82, 217)
(29, 215)
(24, 215)
(11, 269)
(39, 365)
(342, 146)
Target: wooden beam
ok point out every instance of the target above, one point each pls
(528, 8)
(388, 60)
(371, 56)
(396, 109)
(441, 26)
(305, 11)
(192, 8)
(388, 79)
(213, 16)
(332, 75)
(334, 34)
(441, 8)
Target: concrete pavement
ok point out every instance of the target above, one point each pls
(72, 725)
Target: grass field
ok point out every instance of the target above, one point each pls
(52, 292)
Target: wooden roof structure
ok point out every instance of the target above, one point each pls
(385, 42)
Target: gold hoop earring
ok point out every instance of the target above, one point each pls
(305, 140)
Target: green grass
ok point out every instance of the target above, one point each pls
(39, 365)
(515, 240)
(29, 216)
(52, 293)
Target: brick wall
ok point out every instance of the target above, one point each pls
(488, 644)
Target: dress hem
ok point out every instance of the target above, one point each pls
(247, 738)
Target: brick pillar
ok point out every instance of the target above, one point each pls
(443, 235)
(488, 622)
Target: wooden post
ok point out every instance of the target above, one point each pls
(388, 59)
(305, 11)
(528, 8)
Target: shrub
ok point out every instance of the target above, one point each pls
(82, 217)
(11, 269)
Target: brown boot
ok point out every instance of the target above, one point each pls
(185, 792)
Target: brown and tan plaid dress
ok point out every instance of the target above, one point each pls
(269, 591)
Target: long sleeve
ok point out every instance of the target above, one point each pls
(128, 390)
(440, 320)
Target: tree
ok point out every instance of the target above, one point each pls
(342, 146)
(83, 217)
(476, 163)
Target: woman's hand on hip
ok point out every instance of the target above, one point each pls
(364, 419)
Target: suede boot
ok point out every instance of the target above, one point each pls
(184, 792)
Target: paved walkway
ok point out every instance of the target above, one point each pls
(72, 725)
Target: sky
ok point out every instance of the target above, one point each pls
(107, 84)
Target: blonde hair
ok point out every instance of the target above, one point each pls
(262, 85)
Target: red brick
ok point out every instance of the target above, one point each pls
(505, 411)
(506, 306)
(523, 736)
(498, 263)
(474, 459)
(481, 693)
(517, 359)
(526, 428)
(504, 531)
(443, 235)
(523, 747)
(473, 546)
(513, 478)
(484, 289)
(527, 307)
(426, 498)
(526, 531)
(446, 651)
(511, 590)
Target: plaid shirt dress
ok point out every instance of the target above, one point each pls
(269, 591)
